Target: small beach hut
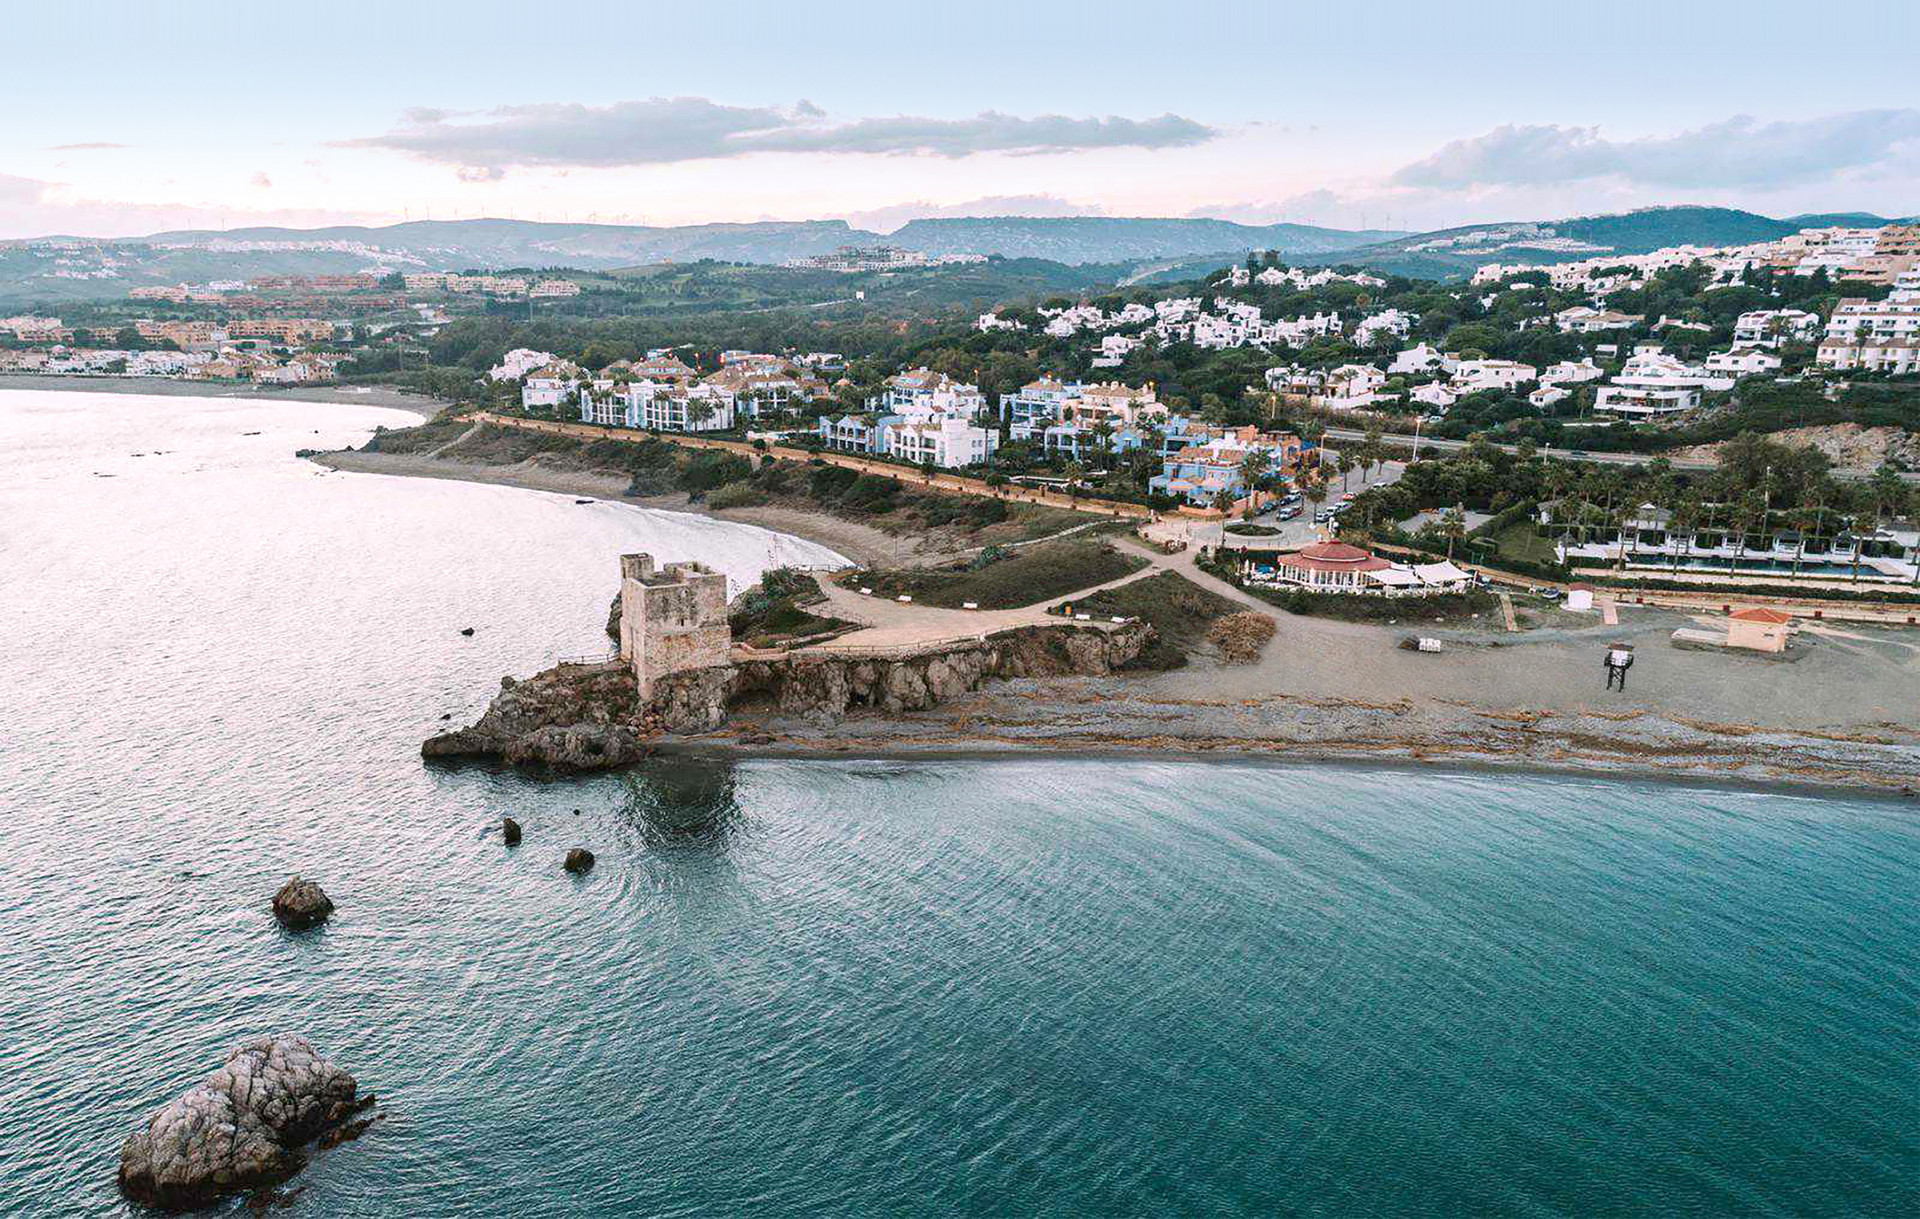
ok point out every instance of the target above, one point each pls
(1759, 629)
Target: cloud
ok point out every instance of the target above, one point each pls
(666, 130)
(90, 147)
(30, 207)
(1738, 153)
(887, 219)
(261, 181)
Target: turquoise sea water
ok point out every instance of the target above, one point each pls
(1026, 986)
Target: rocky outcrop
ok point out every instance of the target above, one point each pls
(242, 1128)
(301, 904)
(510, 832)
(585, 716)
(825, 686)
(579, 861)
(571, 717)
(614, 613)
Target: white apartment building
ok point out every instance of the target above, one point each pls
(948, 441)
(1566, 372)
(548, 388)
(989, 322)
(1387, 323)
(660, 407)
(1771, 327)
(1895, 357)
(1419, 359)
(1583, 320)
(1114, 349)
(1897, 317)
(518, 363)
(1877, 336)
(1645, 401)
(1473, 376)
(1352, 386)
(1743, 362)
(922, 392)
(1655, 383)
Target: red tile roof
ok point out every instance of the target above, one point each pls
(1332, 556)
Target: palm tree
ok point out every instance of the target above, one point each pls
(1804, 519)
(1337, 465)
(1372, 451)
(1681, 524)
(1749, 513)
(1075, 472)
(1453, 526)
(1253, 467)
(1316, 492)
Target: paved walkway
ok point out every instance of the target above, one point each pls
(890, 625)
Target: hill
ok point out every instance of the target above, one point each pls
(1083, 239)
(1449, 253)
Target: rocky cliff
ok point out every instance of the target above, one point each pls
(584, 717)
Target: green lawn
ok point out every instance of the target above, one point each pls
(1025, 577)
(1180, 611)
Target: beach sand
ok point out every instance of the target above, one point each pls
(863, 544)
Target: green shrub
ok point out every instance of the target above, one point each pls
(710, 469)
(736, 495)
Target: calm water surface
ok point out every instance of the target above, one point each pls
(848, 988)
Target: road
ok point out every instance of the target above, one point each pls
(1610, 459)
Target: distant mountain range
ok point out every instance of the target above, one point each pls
(458, 244)
(1160, 249)
(1453, 252)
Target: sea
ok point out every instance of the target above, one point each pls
(1005, 986)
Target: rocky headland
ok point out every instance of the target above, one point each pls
(589, 716)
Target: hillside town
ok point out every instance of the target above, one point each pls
(1211, 399)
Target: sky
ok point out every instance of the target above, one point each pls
(1407, 114)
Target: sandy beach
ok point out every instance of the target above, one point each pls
(861, 543)
(357, 395)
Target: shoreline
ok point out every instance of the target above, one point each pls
(1331, 692)
(1104, 718)
(861, 544)
(1465, 762)
(348, 395)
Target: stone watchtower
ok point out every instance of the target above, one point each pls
(671, 620)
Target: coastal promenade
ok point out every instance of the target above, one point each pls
(956, 483)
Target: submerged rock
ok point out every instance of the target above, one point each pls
(301, 904)
(241, 1129)
(579, 861)
(510, 831)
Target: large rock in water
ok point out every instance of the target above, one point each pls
(301, 904)
(241, 1129)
